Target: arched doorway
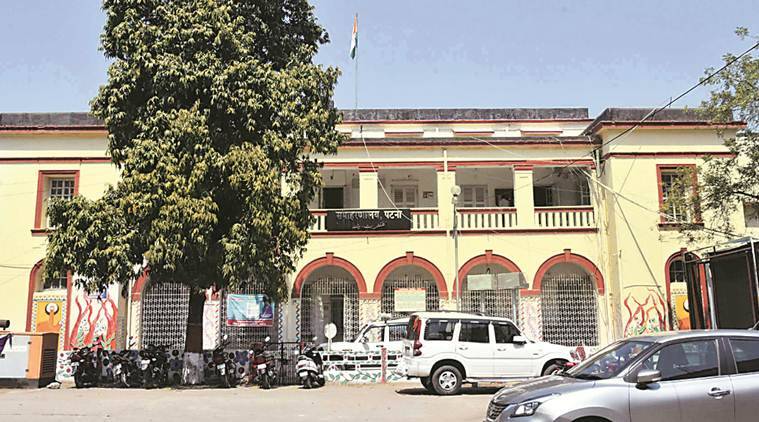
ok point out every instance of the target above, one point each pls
(491, 301)
(409, 284)
(47, 303)
(678, 310)
(163, 317)
(329, 290)
(569, 299)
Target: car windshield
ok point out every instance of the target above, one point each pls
(610, 361)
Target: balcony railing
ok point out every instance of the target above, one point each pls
(565, 217)
(486, 218)
(421, 219)
(472, 219)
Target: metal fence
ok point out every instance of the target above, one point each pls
(339, 296)
(165, 307)
(244, 337)
(387, 300)
(569, 307)
(491, 302)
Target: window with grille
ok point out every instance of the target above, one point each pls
(405, 196)
(474, 196)
(55, 283)
(675, 183)
(61, 188)
(56, 187)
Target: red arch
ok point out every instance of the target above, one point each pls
(329, 259)
(668, 281)
(139, 285)
(410, 259)
(569, 257)
(32, 288)
(487, 258)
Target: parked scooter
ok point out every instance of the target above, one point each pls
(262, 365)
(310, 367)
(224, 366)
(85, 363)
(126, 372)
(154, 366)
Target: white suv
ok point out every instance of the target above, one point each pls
(447, 349)
(373, 336)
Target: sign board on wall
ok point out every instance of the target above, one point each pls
(410, 300)
(501, 281)
(249, 311)
(379, 219)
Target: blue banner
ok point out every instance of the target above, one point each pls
(249, 311)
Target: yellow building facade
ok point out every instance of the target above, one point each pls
(566, 207)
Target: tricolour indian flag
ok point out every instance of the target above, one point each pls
(354, 37)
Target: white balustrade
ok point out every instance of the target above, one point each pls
(486, 218)
(565, 217)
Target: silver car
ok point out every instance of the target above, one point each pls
(688, 376)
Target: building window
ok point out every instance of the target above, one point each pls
(405, 196)
(474, 196)
(677, 188)
(333, 198)
(59, 283)
(53, 185)
(751, 214)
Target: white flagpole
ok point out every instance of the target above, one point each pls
(355, 72)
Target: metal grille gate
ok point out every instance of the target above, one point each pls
(491, 302)
(432, 296)
(313, 295)
(244, 337)
(569, 309)
(165, 307)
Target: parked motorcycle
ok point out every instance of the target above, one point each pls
(224, 365)
(126, 372)
(155, 366)
(263, 366)
(310, 367)
(85, 363)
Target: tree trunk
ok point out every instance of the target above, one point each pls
(194, 338)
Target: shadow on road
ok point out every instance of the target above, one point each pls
(467, 391)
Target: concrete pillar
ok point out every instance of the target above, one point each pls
(445, 181)
(367, 186)
(523, 196)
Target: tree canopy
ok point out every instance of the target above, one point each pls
(728, 183)
(214, 111)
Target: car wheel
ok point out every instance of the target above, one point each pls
(553, 368)
(427, 383)
(447, 380)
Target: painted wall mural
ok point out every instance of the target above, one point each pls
(530, 317)
(646, 312)
(94, 316)
(49, 315)
(679, 292)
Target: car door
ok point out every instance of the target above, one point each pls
(475, 348)
(511, 360)
(691, 388)
(745, 381)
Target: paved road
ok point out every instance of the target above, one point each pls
(390, 402)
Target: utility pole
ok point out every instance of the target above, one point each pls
(456, 191)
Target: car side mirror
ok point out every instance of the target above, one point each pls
(648, 376)
(519, 340)
(267, 339)
(225, 337)
(364, 339)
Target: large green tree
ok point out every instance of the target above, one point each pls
(728, 183)
(212, 107)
